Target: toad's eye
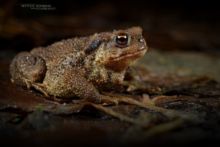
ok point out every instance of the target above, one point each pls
(122, 40)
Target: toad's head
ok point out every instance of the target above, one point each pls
(120, 48)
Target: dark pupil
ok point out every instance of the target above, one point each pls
(122, 39)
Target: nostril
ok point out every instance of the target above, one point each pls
(141, 40)
(142, 47)
(142, 43)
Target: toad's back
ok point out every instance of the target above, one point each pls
(52, 54)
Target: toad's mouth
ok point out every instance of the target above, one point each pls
(128, 55)
(122, 61)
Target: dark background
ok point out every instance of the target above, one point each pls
(168, 25)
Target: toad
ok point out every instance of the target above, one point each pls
(79, 67)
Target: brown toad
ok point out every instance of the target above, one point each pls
(79, 66)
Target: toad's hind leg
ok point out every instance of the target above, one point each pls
(27, 69)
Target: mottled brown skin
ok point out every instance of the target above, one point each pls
(79, 66)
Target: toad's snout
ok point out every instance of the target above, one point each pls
(142, 44)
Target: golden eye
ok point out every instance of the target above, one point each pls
(121, 40)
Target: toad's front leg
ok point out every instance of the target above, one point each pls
(69, 82)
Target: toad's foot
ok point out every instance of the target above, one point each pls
(40, 87)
